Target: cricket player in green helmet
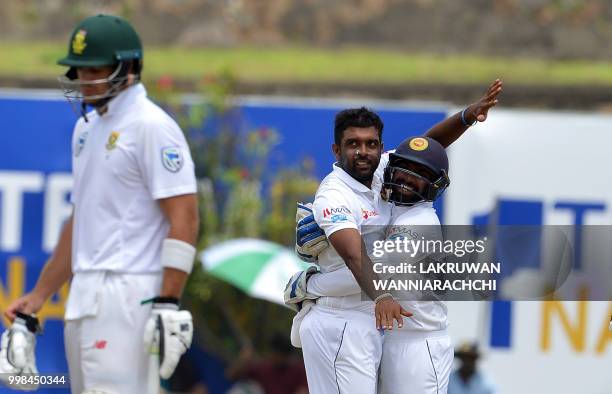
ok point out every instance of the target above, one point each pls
(129, 244)
(104, 55)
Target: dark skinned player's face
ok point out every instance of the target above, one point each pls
(359, 153)
(411, 181)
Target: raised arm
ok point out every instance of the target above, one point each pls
(450, 129)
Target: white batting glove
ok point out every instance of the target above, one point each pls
(17, 350)
(310, 240)
(168, 332)
(296, 290)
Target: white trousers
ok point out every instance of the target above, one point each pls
(105, 349)
(342, 350)
(415, 362)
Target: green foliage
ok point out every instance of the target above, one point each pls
(306, 64)
(231, 169)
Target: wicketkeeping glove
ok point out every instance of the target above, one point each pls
(17, 350)
(168, 333)
(310, 240)
(296, 290)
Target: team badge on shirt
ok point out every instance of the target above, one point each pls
(172, 158)
(80, 144)
(112, 140)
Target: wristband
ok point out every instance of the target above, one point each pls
(177, 254)
(30, 321)
(165, 302)
(384, 295)
(465, 123)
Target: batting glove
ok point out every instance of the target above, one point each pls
(310, 240)
(168, 332)
(296, 290)
(17, 350)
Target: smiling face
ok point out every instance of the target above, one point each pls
(413, 183)
(359, 153)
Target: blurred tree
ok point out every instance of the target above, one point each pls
(231, 163)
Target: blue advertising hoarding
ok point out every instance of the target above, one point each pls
(35, 181)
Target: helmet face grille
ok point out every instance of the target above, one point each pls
(72, 87)
(417, 163)
(401, 193)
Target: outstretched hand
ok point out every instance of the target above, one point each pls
(480, 109)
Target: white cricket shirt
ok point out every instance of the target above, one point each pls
(342, 202)
(122, 162)
(409, 222)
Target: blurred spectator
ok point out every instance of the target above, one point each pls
(281, 372)
(467, 379)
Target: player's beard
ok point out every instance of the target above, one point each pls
(362, 168)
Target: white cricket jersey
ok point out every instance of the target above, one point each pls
(342, 202)
(428, 315)
(122, 162)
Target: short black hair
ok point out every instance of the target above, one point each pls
(356, 117)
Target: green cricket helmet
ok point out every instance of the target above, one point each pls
(102, 40)
(97, 41)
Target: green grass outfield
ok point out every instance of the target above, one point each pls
(358, 65)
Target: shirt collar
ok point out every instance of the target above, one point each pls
(125, 98)
(349, 180)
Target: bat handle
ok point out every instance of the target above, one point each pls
(153, 374)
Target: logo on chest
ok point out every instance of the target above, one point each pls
(401, 232)
(112, 140)
(368, 214)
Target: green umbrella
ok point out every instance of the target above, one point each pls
(260, 268)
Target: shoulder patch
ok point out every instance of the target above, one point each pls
(172, 158)
(80, 143)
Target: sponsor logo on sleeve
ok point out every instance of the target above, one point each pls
(172, 158)
(339, 218)
(80, 144)
(336, 215)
